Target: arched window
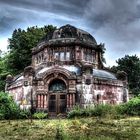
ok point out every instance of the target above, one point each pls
(57, 85)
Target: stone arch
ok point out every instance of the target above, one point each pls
(57, 99)
(57, 71)
(51, 77)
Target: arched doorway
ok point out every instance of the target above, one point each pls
(57, 97)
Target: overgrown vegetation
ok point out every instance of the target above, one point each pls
(91, 128)
(10, 110)
(130, 108)
(104, 122)
(40, 115)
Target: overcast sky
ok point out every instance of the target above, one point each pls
(113, 22)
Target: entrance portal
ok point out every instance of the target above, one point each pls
(57, 97)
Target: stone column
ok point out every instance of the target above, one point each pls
(73, 99)
(38, 101)
(45, 101)
(42, 99)
(68, 101)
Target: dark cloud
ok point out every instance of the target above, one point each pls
(117, 23)
(114, 22)
(61, 6)
(32, 12)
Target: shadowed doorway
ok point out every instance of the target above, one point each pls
(57, 97)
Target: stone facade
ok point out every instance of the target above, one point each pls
(67, 70)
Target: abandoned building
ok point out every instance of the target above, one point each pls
(67, 70)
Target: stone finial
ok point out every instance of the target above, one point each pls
(29, 71)
(9, 78)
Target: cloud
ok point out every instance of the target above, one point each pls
(3, 44)
(21, 13)
(117, 23)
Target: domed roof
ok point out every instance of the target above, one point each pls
(103, 74)
(67, 35)
(70, 32)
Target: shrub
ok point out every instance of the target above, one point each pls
(102, 110)
(132, 107)
(79, 112)
(24, 114)
(116, 111)
(40, 115)
(1, 116)
(8, 108)
(99, 110)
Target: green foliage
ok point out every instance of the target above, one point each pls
(40, 115)
(99, 110)
(89, 128)
(21, 44)
(132, 107)
(130, 65)
(116, 111)
(79, 112)
(3, 72)
(24, 114)
(8, 108)
(59, 135)
(1, 116)
(102, 110)
(20, 48)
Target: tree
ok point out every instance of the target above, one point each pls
(20, 48)
(3, 72)
(21, 44)
(0, 53)
(130, 65)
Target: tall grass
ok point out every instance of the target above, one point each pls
(97, 111)
(111, 111)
